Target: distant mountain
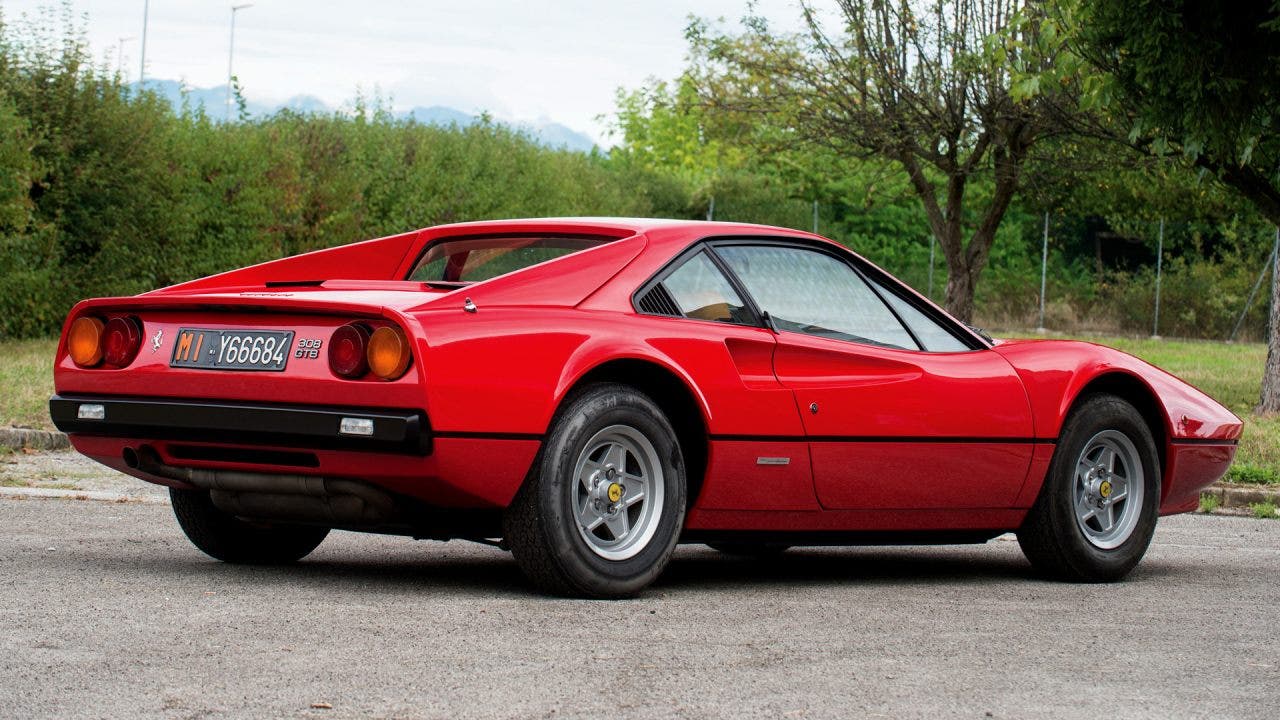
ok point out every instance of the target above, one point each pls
(545, 131)
(301, 104)
(553, 134)
(440, 115)
(213, 100)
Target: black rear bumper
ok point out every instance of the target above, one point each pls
(294, 426)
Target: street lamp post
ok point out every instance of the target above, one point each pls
(142, 64)
(231, 53)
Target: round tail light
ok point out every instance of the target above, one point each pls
(347, 349)
(123, 339)
(388, 353)
(84, 341)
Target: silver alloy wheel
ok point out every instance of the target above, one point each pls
(617, 492)
(1108, 489)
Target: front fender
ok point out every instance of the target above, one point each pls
(1056, 372)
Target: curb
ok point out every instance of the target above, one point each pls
(94, 495)
(24, 438)
(1242, 496)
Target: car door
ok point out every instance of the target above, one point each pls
(758, 458)
(899, 413)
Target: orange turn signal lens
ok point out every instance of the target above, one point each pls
(84, 341)
(388, 353)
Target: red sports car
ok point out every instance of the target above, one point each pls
(590, 392)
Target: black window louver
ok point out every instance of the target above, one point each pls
(657, 301)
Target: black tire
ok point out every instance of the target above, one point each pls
(749, 549)
(541, 526)
(1051, 536)
(229, 539)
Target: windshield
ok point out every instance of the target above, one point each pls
(476, 259)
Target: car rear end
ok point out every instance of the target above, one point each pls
(300, 403)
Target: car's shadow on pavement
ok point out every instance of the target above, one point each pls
(871, 566)
(830, 566)
(471, 569)
(489, 572)
(434, 573)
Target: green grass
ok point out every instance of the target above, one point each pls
(1263, 510)
(1232, 374)
(26, 379)
(1248, 474)
(1209, 503)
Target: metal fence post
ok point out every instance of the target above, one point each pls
(1155, 324)
(815, 216)
(711, 209)
(1044, 268)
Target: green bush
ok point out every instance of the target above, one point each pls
(1203, 298)
(105, 190)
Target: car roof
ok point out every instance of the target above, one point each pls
(636, 225)
(665, 235)
(618, 225)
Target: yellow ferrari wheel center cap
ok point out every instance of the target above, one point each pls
(615, 492)
(1105, 489)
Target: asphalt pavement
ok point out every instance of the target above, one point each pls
(107, 612)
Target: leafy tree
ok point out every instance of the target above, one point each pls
(663, 126)
(1196, 78)
(926, 85)
(17, 168)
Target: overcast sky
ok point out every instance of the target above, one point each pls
(561, 60)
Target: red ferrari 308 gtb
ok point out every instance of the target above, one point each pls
(591, 392)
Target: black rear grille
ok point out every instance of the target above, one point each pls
(657, 301)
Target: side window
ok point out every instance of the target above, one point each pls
(933, 336)
(814, 293)
(697, 289)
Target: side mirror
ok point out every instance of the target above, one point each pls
(768, 321)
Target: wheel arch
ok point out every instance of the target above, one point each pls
(674, 395)
(1137, 393)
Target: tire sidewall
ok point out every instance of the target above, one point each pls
(586, 415)
(224, 537)
(1093, 416)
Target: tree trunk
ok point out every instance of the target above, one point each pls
(1269, 402)
(959, 299)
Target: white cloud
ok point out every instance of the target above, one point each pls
(521, 61)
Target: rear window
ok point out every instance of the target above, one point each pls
(476, 259)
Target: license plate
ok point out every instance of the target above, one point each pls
(232, 349)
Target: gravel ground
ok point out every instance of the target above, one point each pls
(69, 470)
(108, 612)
